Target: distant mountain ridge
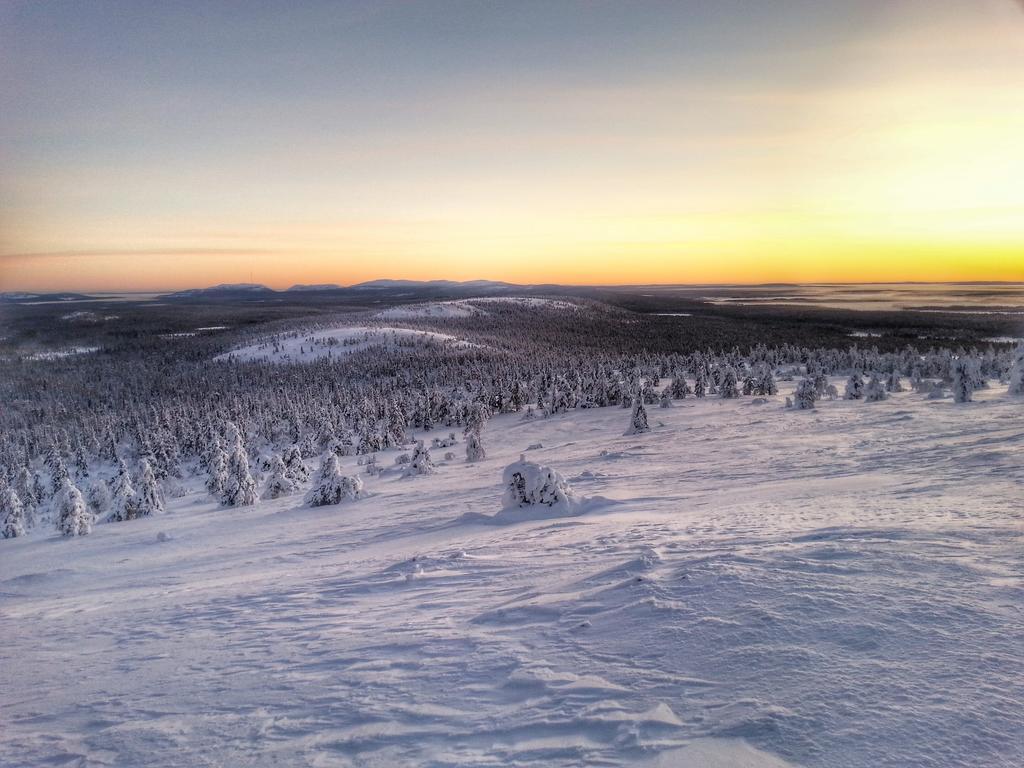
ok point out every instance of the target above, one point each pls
(425, 288)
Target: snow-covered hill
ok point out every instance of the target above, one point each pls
(337, 342)
(761, 587)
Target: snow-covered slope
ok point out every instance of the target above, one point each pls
(336, 342)
(469, 307)
(761, 587)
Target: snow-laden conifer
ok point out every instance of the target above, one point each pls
(638, 419)
(12, 514)
(73, 518)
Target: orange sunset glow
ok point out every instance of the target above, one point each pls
(852, 142)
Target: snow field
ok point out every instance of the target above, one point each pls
(759, 587)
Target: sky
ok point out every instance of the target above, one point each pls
(154, 145)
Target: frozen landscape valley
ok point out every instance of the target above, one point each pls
(743, 585)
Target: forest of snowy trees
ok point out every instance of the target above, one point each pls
(107, 437)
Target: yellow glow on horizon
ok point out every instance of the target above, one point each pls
(907, 165)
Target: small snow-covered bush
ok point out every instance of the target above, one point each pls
(527, 484)
(402, 458)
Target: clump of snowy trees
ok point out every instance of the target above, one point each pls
(331, 486)
(528, 484)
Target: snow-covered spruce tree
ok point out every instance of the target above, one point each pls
(875, 391)
(295, 467)
(765, 382)
(73, 518)
(98, 498)
(279, 484)
(149, 498)
(217, 470)
(700, 386)
(527, 484)
(332, 487)
(805, 395)
(666, 398)
(1016, 388)
(474, 447)
(58, 472)
(854, 387)
(240, 488)
(23, 484)
(729, 388)
(12, 514)
(680, 388)
(421, 463)
(893, 383)
(124, 504)
(638, 419)
(963, 388)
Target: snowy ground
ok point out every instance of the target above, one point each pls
(840, 587)
(337, 342)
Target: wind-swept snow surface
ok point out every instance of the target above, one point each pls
(834, 587)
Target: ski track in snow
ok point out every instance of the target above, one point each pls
(838, 587)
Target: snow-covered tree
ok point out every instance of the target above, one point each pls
(295, 467)
(679, 388)
(279, 484)
(124, 504)
(854, 387)
(527, 484)
(240, 488)
(73, 518)
(875, 391)
(1017, 373)
(98, 498)
(805, 395)
(149, 498)
(12, 514)
(729, 388)
(332, 487)
(638, 419)
(963, 387)
(421, 463)
(893, 383)
(666, 398)
(217, 469)
(474, 447)
(24, 486)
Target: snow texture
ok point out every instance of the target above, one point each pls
(841, 589)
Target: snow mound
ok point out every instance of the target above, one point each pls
(339, 342)
(529, 484)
